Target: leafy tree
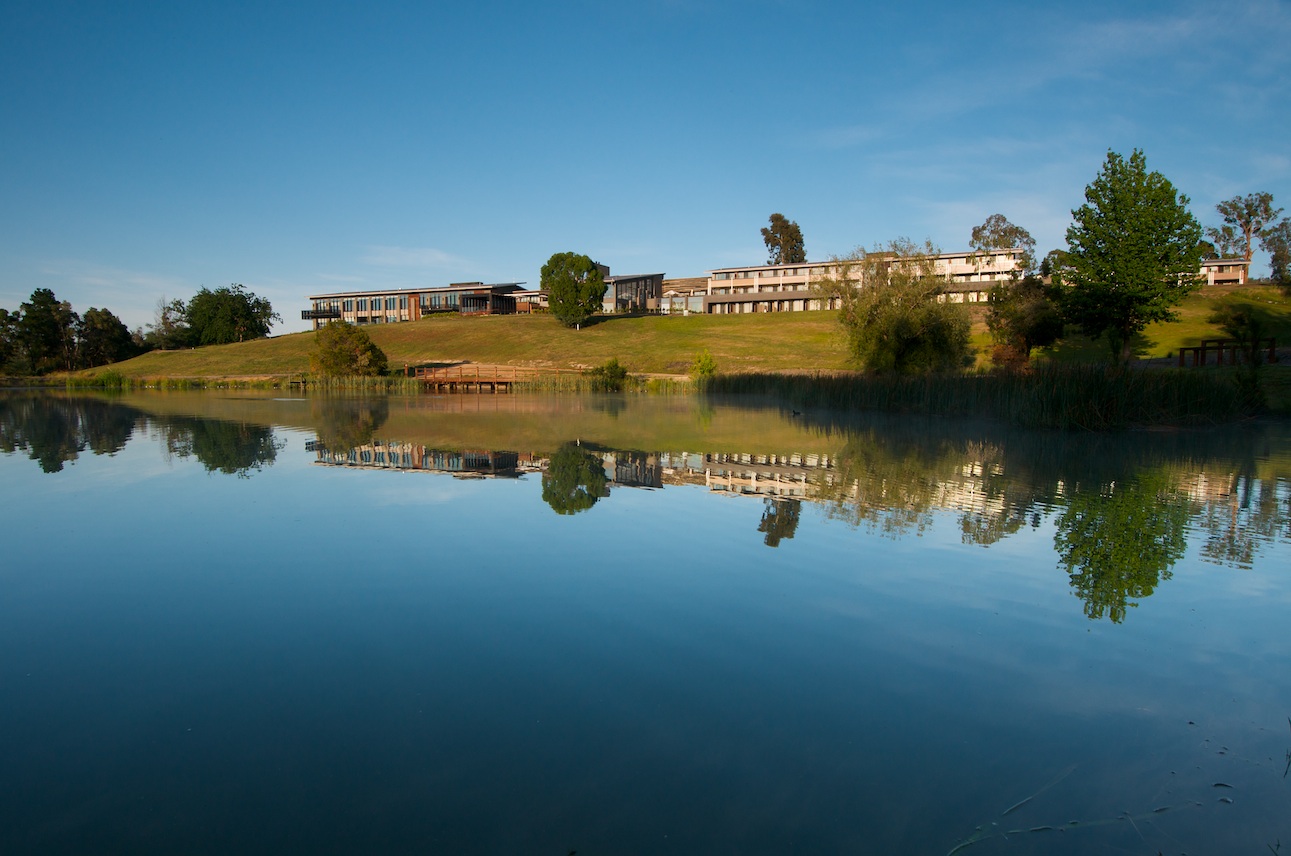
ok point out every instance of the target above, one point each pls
(1250, 326)
(703, 367)
(9, 349)
(1022, 316)
(1134, 252)
(229, 314)
(1117, 543)
(169, 328)
(1224, 243)
(997, 233)
(574, 480)
(779, 520)
(1245, 219)
(104, 338)
(341, 349)
(47, 332)
(898, 319)
(575, 287)
(1276, 240)
(784, 241)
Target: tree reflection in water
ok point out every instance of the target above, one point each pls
(55, 430)
(234, 448)
(779, 520)
(1118, 541)
(574, 480)
(347, 423)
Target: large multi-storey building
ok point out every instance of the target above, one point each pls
(788, 288)
(392, 306)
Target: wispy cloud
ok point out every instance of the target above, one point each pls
(412, 257)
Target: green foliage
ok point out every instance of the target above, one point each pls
(1276, 240)
(898, 319)
(609, 377)
(9, 345)
(1118, 543)
(1245, 219)
(1022, 316)
(342, 349)
(1250, 326)
(575, 287)
(229, 314)
(46, 332)
(704, 366)
(784, 241)
(169, 328)
(997, 233)
(104, 339)
(1134, 252)
(574, 480)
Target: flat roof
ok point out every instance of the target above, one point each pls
(387, 292)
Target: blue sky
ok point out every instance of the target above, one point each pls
(149, 149)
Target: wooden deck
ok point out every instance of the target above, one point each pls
(470, 378)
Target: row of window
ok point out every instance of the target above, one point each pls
(762, 274)
(361, 304)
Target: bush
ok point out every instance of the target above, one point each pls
(342, 349)
(610, 377)
(704, 366)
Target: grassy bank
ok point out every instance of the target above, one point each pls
(645, 344)
(801, 341)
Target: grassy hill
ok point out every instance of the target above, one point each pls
(653, 344)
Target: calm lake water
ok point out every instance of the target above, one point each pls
(494, 624)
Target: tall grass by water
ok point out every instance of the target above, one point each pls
(1071, 397)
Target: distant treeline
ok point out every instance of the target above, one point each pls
(46, 334)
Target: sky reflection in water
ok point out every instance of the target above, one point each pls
(234, 623)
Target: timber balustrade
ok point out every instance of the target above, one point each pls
(478, 378)
(1225, 347)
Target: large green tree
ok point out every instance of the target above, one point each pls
(997, 233)
(169, 328)
(1134, 252)
(342, 349)
(47, 332)
(8, 339)
(104, 338)
(899, 318)
(784, 241)
(1022, 315)
(229, 314)
(1276, 240)
(575, 287)
(1245, 219)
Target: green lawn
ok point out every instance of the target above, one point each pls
(799, 341)
(655, 344)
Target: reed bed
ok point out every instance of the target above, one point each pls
(1076, 397)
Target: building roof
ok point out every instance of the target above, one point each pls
(389, 292)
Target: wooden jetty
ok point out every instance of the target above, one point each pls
(472, 378)
(1222, 348)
